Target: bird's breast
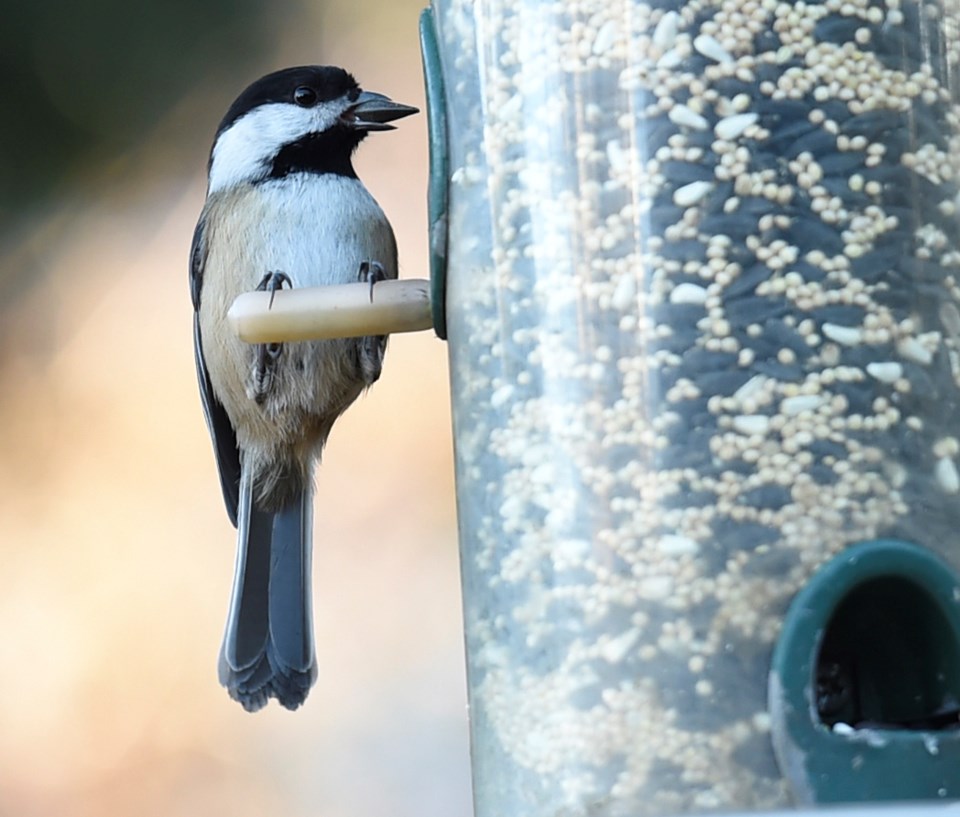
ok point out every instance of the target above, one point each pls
(315, 228)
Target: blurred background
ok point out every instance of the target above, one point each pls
(116, 554)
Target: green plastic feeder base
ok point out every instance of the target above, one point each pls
(865, 683)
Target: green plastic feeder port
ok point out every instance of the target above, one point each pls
(865, 683)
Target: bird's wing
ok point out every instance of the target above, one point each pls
(221, 430)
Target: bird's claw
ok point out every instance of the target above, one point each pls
(371, 272)
(273, 281)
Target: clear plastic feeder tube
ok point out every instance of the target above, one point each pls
(704, 324)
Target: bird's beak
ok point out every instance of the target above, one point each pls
(374, 111)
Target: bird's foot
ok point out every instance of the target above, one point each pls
(267, 354)
(371, 348)
(273, 281)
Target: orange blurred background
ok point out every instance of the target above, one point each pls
(116, 552)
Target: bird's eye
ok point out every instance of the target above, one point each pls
(305, 96)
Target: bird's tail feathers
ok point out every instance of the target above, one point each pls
(268, 648)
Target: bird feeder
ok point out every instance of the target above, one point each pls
(703, 308)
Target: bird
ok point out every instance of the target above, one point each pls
(284, 208)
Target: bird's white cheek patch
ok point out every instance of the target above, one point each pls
(245, 150)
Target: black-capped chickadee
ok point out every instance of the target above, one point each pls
(284, 207)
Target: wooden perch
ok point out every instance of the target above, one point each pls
(340, 311)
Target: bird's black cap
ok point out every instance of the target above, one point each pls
(327, 82)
